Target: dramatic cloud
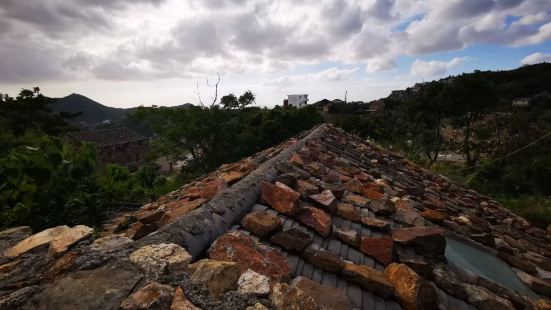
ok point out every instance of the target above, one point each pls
(536, 58)
(155, 40)
(433, 67)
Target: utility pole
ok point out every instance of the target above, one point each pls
(345, 96)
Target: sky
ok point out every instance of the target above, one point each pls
(125, 53)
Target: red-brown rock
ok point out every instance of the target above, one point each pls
(327, 297)
(296, 160)
(242, 249)
(306, 189)
(261, 223)
(292, 239)
(372, 191)
(348, 211)
(353, 185)
(382, 249)
(435, 216)
(323, 259)
(413, 291)
(347, 236)
(368, 278)
(357, 200)
(152, 296)
(280, 197)
(375, 224)
(178, 209)
(427, 241)
(382, 207)
(315, 219)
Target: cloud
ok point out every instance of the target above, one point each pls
(433, 67)
(329, 75)
(536, 58)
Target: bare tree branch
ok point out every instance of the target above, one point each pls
(215, 90)
(199, 95)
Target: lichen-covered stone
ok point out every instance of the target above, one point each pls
(356, 200)
(61, 242)
(326, 297)
(326, 199)
(286, 297)
(251, 282)
(375, 224)
(427, 241)
(412, 290)
(217, 276)
(348, 211)
(347, 236)
(383, 207)
(157, 259)
(181, 302)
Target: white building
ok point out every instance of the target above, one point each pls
(298, 101)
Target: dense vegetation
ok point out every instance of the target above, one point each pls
(46, 182)
(506, 150)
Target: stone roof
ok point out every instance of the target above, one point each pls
(324, 220)
(106, 137)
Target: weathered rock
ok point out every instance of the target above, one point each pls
(285, 297)
(101, 288)
(232, 177)
(326, 199)
(181, 302)
(372, 192)
(306, 189)
(150, 217)
(326, 297)
(296, 160)
(409, 216)
(315, 219)
(382, 249)
(257, 306)
(109, 244)
(17, 299)
(280, 197)
(60, 265)
(42, 238)
(353, 185)
(368, 278)
(356, 200)
(382, 207)
(543, 304)
(348, 211)
(478, 296)
(157, 259)
(206, 189)
(262, 223)
(152, 296)
(323, 259)
(217, 276)
(427, 241)
(252, 282)
(293, 239)
(242, 249)
(420, 266)
(12, 236)
(412, 290)
(435, 216)
(61, 242)
(519, 263)
(347, 236)
(375, 224)
(539, 286)
(289, 179)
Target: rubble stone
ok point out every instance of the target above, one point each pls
(151, 296)
(280, 197)
(375, 224)
(326, 199)
(306, 189)
(40, 239)
(217, 276)
(413, 291)
(286, 297)
(356, 200)
(293, 239)
(261, 223)
(323, 259)
(316, 219)
(61, 242)
(409, 216)
(348, 211)
(242, 249)
(326, 297)
(368, 278)
(382, 249)
(252, 282)
(427, 241)
(181, 302)
(383, 207)
(157, 259)
(347, 236)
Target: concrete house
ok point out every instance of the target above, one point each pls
(298, 101)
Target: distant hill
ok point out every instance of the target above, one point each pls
(93, 113)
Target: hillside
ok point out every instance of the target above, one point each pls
(92, 113)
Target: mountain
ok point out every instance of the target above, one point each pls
(92, 113)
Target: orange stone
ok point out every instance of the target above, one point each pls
(316, 219)
(280, 197)
(382, 249)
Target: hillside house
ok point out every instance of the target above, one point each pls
(117, 145)
(298, 101)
